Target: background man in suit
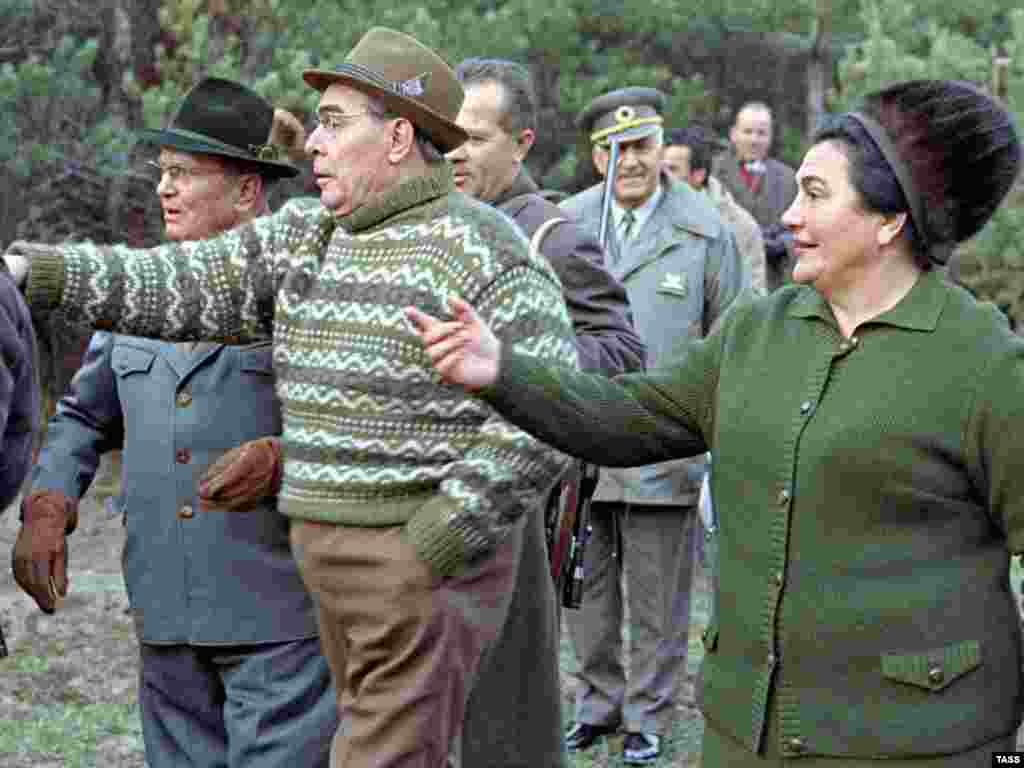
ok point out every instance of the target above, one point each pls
(514, 719)
(761, 184)
(688, 159)
(681, 269)
(231, 672)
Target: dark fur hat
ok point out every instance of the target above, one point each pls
(960, 148)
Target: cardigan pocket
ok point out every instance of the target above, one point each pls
(933, 670)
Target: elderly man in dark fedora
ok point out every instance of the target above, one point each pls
(230, 670)
(681, 269)
(407, 498)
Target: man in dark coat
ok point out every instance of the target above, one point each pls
(19, 394)
(499, 113)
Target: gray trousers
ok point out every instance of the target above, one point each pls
(653, 573)
(251, 706)
(514, 715)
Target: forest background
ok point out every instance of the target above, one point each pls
(78, 78)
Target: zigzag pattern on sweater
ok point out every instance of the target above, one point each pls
(365, 415)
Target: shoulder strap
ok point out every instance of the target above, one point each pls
(541, 233)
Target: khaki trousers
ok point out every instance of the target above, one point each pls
(403, 644)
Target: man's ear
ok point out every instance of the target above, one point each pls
(524, 143)
(249, 189)
(891, 226)
(600, 157)
(403, 138)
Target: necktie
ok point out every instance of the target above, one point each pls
(628, 221)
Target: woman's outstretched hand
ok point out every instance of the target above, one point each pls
(463, 350)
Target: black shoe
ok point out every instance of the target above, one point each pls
(583, 735)
(641, 748)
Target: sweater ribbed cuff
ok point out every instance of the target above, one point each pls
(434, 532)
(45, 286)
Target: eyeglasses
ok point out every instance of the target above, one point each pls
(332, 121)
(178, 173)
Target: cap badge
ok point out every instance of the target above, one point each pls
(415, 86)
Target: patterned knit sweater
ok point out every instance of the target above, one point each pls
(371, 435)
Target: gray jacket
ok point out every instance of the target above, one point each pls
(192, 576)
(681, 272)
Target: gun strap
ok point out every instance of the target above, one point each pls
(542, 232)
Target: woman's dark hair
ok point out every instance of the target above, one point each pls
(872, 177)
(958, 145)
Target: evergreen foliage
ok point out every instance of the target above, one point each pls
(902, 44)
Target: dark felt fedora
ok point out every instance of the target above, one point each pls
(409, 78)
(222, 117)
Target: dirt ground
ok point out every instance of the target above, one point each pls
(68, 689)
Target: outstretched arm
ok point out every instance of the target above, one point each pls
(219, 289)
(630, 420)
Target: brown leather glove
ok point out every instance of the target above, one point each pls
(40, 555)
(243, 476)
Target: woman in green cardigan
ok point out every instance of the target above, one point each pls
(865, 424)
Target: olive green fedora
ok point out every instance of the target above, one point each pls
(224, 118)
(409, 78)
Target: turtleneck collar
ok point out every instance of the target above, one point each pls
(435, 183)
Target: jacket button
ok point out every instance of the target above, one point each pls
(777, 578)
(185, 512)
(183, 456)
(771, 661)
(184, 399)
(784, 497)
(936, 675)
(805, 407)
(795, 744)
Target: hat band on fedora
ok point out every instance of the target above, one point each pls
(938, 252)
(411, 88)
(252, 149)
(636, 122)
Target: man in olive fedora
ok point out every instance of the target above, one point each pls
(230, 668)
(407, 498)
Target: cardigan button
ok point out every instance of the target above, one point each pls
(784, 497)
(805, 407)
(795, 744)
(771, 661)
(936, 675)
(777, 578)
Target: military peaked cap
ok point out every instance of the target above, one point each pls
(623, 115)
